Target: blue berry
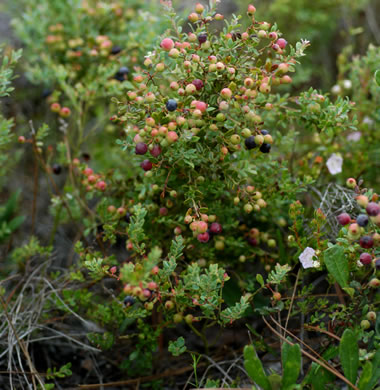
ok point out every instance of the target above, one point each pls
(264, 132)
(115, 50)
(122, 73)
(265, 148)
(362, 220)
(129, 301)
(171, 105)
(250, 142)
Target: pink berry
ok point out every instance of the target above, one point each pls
(101, 185)
(365, 258)
(282, 43)
(172, 136)
(343, 219)
(163, 211)
(202, 106)
(226, 93)
(198, 84)
(216, 228)
(167, 44)
(203, 237)
(156, 151)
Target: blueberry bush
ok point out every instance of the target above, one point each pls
(184, 208)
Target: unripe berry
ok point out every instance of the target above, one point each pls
(55, 107)
(371, 316)
(251, 10)
(235, 139)
(199, 8)
(219, 245)
(190, 89)
(189, 319)
(226, 93)
(351, 183)
(65, 112)
(354, 228)
(277, 296)
(177, 318)
(362, 200)
(174, 53)
(365, 324)
(160, 67)
(265, 88)
(282, 43)
(286, 79)
(248, 208)
(169, 305)
(193, 17)
(374, 283)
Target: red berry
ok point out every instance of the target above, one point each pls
(156, 151)
(343, 219)
(365, 258)
(167, 44)
(282, 43)
(163, 211)
(146, 165)
(202, 38)
(203, 237)
(141, 148)
(373, 209)
(252, 241)
(216, 228)
(366, 242)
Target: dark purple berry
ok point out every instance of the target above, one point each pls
(265, 148)
(250, 142)
(366, 242)
(122, 74)
(373, 209)
(115, 50)
(343, 219)
(264, 132)
(377, 264)
(163, 211)
(252, 241)
(141, 148)
(146, 165)
(362, 220)
(202, 38)
(57, 169)
(203, 237)
(365, 258)
(129, 301)
(198, 84)
(216, 228)
(171, 105)
(46, 93)
(86, 157)
(156, 151)
(127, 217)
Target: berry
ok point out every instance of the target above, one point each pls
(171, 105)
(216, 228)
(371, 316)
(141, 148)
(163, 211)
(362, 200)
(365, 258)
(265, 148)
(202, 38)
(252, 241)
(203, 237)
(282, 43)
(65, 112)
(122, 74)
(264, 132)
(276, 296)
(362, 220)
(199, 8)
(250, 142)
(57, 169)
(198, 84)
(365, 324)
(115, 50)
(374, 283)
(373, 209)
(146, 165)
(343, 219)
(156, 151)
(351, 183)
(129, 301)
(127, 217)
(167, 44)
(366, 242)
(377, 263)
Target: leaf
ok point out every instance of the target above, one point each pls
(375, 372)
(366, 376)
(260, 280)
(291, 363)
(177, 347)
(349, 355)
(377, 77)
(254, 368)
(337, 264)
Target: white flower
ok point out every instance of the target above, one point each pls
(316, 264)
(354, 136)
(347, 84)
(334, 164)
(306, 258)
(367, 120)
(359, 263)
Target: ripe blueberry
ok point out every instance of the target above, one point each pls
(373, 209)
(365, 258)
(171, 105)
(362, 220)
(57, 169)
(127, 217)
(265, 148)
(216, 228)
(264, 132)
(343, 219)
(129, 301)
(366, 242)
(146, 165)
(202, 38)
(377, 264)
(122, 73)
(115, 50)
(141, 148)
(250, 142)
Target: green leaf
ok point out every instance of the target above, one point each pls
(375, 372)
(177, 347)
(349, 355)
(366, 376)
(291, 363)
(254, 368)
(260, 279)
(377, 77)
(337, 264)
